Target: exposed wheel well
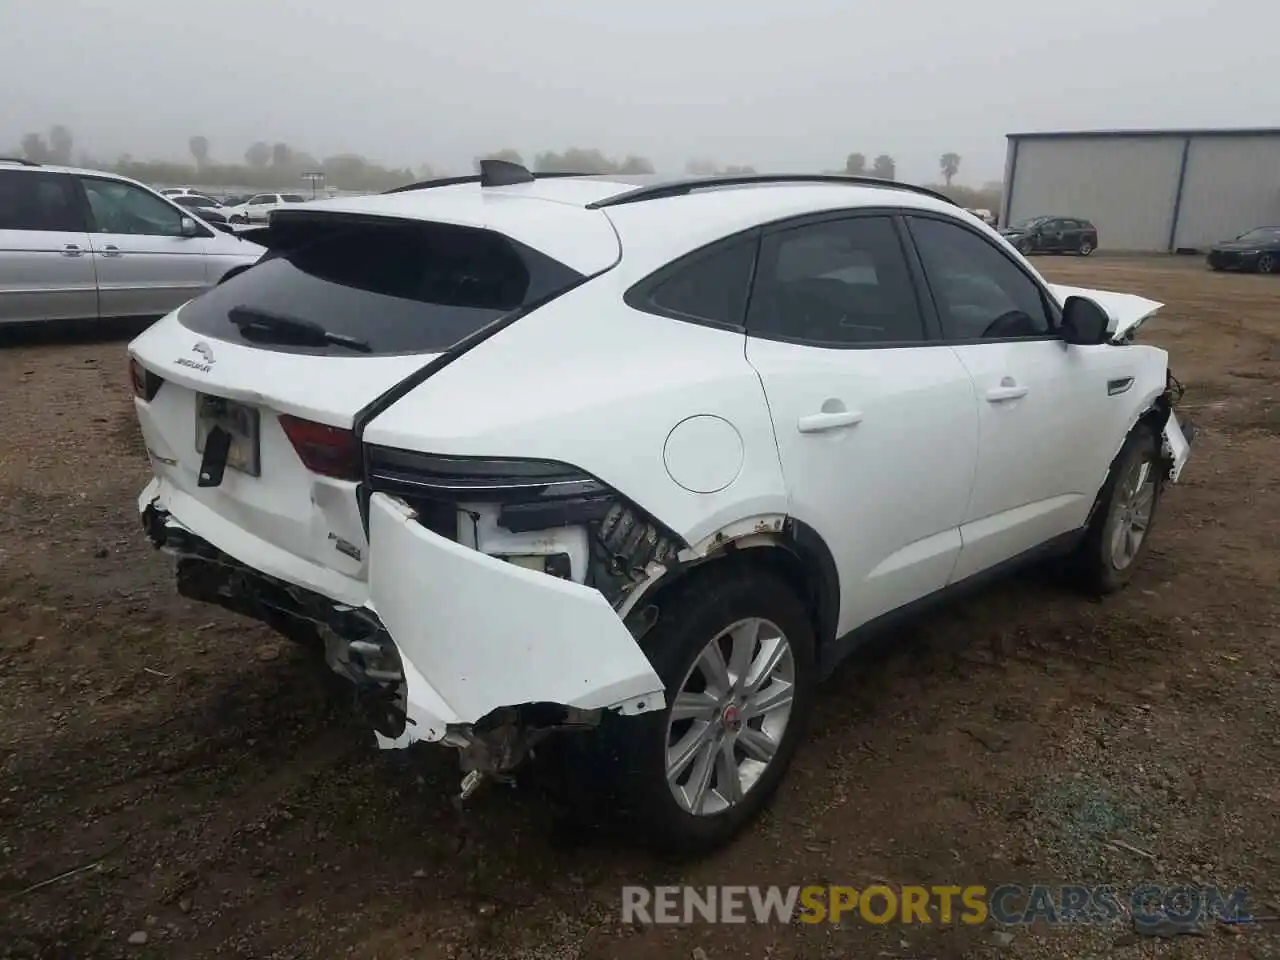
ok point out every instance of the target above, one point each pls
(794, 564)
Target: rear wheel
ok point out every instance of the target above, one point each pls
(1121, 524)
(1086, 247)
(735, 651)
(1267, 263)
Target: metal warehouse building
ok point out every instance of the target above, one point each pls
(1148, 190)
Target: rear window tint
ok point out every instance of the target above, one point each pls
(399, 287)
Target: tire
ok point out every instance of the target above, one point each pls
(1086, 247)
(1102, 566)
(698, 613)
(237, 218)
(1025, 248)
(1267, 263)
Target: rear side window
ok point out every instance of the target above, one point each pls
(293, 198)
(710, 286)
(838, 283)
(398, 287)
(38, 201)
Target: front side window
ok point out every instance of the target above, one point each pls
(38, 201)
(261, 199)
(124, 208)
(839, 283)
(979, 292)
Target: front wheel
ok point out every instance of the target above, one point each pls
(1267, 263)
(1121, 524)
(735, 651)
(239, 218)
(1025, 247)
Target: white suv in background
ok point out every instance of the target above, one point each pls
(525, 454)
(257, 209)
(86, 245)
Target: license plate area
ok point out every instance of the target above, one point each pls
(226, 436)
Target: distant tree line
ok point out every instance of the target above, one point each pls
(279, 165)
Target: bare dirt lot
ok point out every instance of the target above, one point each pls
(215, 797)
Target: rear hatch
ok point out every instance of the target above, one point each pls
(247, 396)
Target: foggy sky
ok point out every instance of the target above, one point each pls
(776, 85)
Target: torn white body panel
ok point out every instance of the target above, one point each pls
(476, 633)
(1127, 311)
(1176, 446)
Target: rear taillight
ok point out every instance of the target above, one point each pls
(328, 451)
(145, 383)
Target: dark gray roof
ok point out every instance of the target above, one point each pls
(1204, 132)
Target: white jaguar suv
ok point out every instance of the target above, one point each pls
(525, 454)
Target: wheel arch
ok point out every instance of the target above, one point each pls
(796, 554)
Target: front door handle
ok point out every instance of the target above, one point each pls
(72, 250)
(1008, 390)
(111, 250)
(818, 422)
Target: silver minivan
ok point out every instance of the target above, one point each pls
(84, 244)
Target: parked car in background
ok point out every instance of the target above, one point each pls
(986, 216)
(409, 438)
(1053, 235)
(181, 192)
(1257, 250)
(207, 209)
(258, 208)
(84, 244)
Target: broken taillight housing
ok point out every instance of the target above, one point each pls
(328, 451)
(530, 494)
(145, 383)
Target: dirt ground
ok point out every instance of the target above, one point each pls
(176, 776)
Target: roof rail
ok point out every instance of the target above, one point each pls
(23, 161)
(489, 176)
(679, 188)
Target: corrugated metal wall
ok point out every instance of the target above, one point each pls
(1125, 185)
(1232, 184)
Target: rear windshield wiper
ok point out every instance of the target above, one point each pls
(280, 328)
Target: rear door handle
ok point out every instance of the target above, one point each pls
(72, 250)
(818, 422)
(1008, 390)
(111, 250)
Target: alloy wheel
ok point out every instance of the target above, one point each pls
(1135, 504)
(729, 716)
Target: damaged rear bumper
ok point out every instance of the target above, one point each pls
(447, 636)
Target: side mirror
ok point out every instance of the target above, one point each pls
(189, 227)
(1084, 322)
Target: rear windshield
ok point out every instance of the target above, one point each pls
(395, 286)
